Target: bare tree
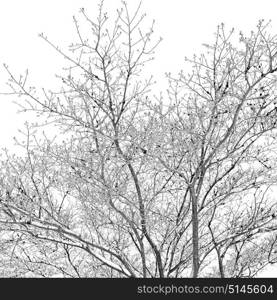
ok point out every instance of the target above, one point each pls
(99, 167)
(140, 186)
(221, 141)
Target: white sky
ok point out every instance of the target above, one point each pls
(183, 24)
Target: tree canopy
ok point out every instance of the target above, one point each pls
(139, 185)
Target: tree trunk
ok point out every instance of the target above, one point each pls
(195, 244)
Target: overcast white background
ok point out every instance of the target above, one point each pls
(183, 24)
